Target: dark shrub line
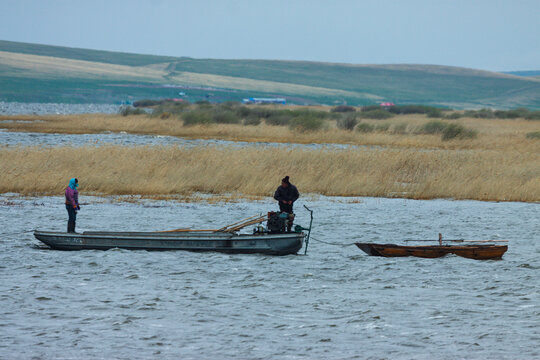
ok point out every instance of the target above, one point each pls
(347, 122)
(343, 109)
(504, 114)
(448, 131)
(304, 120)
(306, 123)
(128, 110)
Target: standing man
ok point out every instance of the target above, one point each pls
(72, 204)
(286, 195)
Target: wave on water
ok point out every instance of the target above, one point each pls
(336, 302)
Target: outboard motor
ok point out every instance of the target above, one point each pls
(279, 222)
(276, 222)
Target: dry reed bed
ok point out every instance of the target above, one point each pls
(494, 175)
(493, 133)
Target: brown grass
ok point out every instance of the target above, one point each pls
(505, 175)
(501, 164)
(492, 134)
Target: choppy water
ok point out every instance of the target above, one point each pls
(334, 303)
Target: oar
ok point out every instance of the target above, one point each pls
(186, 230)
(483, 241)
(244, 224)
(239, 225)
(238, 222)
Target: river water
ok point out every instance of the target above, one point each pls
(125, 139)
(122, 139)
(336, 302)
(18, 108)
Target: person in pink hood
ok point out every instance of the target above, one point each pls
(72, 204)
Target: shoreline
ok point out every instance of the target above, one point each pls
(204, 198)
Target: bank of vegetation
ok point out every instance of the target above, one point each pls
(497, 175)
(411, 155)
(371, 111)
(305, 119)
(408, 126)
(339, 124)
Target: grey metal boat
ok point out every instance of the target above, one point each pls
(274, 239)
(265, 243)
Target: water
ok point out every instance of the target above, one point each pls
(125, 139)
(17, 108)
(336, 302)
(78, 140)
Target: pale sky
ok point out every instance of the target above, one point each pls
(498, 35)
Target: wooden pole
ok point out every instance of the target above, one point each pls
(186, 230)
(244, 224)
(238, 222)
(236, 226)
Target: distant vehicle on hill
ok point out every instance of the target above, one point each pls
(264, 101)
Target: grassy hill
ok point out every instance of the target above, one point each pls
(42, 73)
(529, 73)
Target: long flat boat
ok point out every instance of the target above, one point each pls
(478, 252)
(264, 243)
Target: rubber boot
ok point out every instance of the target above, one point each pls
(71, 227)
(290, 221)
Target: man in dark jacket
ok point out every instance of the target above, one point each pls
(286, 195)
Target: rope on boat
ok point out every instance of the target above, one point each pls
(331, 243)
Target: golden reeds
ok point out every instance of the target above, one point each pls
(501, 164)
(492, 133)
(505, 175)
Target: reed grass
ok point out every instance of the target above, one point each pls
(501, 164)
(494, 175)
(401, 131)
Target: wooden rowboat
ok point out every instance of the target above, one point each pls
(478, 252)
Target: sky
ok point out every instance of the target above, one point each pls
(495, 35)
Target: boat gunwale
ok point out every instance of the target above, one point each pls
(274, 244)
(435, 246)
(169, 236)
(434, 251)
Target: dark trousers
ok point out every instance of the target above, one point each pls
(285, 207)
(72, 214)
(72, 217)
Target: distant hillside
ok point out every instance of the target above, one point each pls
(529, 73)
(42, 73)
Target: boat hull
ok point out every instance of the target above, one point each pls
(272, 244)
(478, 252)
